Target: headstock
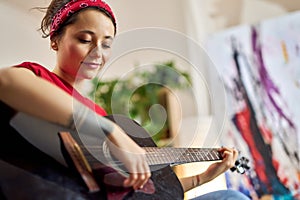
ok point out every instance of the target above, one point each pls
(241, 165)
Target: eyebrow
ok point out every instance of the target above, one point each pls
(92, 33)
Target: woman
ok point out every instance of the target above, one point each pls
(81, 33)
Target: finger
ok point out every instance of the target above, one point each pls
(235, 154)
(144, 178)
(140, 179)
(131, 180)
(140, 182)
(228, 151)
(144, 175)
(229, 157)
(225, 152)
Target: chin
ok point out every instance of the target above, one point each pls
(85, 76)
(89, 77)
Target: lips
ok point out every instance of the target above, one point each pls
(92, 65)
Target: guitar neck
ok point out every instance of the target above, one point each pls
(175, 156)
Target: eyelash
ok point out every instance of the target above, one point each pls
(88, 41)
(84, 41)
(106, 46)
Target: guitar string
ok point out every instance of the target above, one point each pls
(171, 155)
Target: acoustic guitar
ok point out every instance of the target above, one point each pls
(103, 180)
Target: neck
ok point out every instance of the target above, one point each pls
(75, 82)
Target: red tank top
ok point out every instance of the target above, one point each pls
(53, 78)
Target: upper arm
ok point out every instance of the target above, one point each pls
(23, 91)
(9, 74)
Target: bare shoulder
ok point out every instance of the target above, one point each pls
(8, 74)
(13, 70)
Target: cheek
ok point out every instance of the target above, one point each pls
(72, 58)
(77, 53)
(106, 55)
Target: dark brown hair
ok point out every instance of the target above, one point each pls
(53, 8)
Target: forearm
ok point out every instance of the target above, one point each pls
(24, 92)
(27, 93)
(214, 170)
(191, 182)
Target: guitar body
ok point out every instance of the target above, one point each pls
(49, 178)
(27, 172)
(166, 183)
(36, 165)
(158, 187)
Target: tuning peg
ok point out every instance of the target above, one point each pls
(241, 165)
(245, 160)
(247, 167)
(240, 169)
(232, 169)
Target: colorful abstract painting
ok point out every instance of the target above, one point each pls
(260, 68)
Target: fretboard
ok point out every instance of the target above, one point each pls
(174, 156)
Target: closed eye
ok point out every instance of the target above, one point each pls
(84, 41)
(106, 46)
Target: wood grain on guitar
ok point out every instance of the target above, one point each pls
(79, 161)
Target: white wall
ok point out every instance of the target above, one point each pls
(20, 40)
(197, 19)
(133, 14)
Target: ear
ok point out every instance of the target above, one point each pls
(54, 45)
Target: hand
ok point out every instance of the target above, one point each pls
(229, 157)
(132, 156)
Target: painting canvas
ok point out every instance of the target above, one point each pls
(259, 65)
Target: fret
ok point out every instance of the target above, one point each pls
(182, 156)
(206, 156)
(161, 158)
(175, 154)
(171, 155)
(216, 154)
(153, 157)
(210, 156)
(189, 155)
(196, 154)
(166, 155)
(201, 155)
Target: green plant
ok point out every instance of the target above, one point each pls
(125, 96)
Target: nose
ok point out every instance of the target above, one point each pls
(96, 52)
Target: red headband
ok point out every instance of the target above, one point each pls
(73, 6)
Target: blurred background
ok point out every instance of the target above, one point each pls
(191, 112)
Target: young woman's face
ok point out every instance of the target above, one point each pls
(85, 46)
